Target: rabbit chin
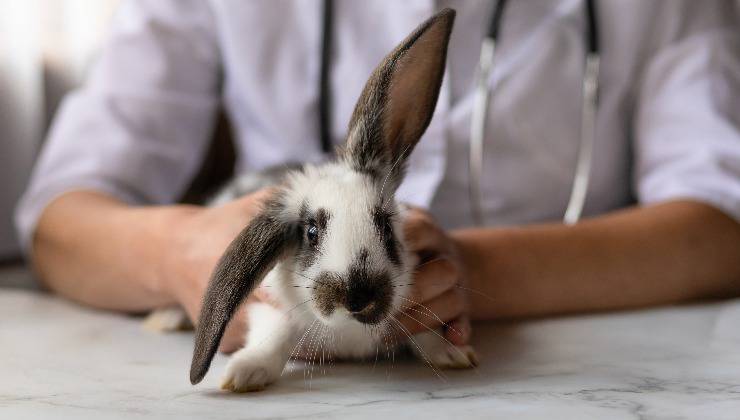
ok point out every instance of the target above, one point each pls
(351, 339)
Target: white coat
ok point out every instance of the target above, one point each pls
(668, 125)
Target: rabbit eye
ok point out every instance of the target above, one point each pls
(388, 228)
(312, 233)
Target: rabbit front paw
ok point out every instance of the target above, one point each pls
(249, 372)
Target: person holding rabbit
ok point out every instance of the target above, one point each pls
(660, 220)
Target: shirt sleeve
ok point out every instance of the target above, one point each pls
(139, 127)
(687, 132)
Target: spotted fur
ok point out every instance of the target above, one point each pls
(329, 242)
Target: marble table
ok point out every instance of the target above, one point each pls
(60, 361)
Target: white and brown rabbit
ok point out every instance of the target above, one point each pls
(330, 239)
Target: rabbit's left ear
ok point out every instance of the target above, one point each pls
(242, 267)
(398, 100)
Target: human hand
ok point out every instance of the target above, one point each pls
(438, 297)
(198, 237)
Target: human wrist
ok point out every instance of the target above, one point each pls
(483, 259)
(466, 247)
(161, 246)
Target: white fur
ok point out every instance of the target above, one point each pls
(297, 326)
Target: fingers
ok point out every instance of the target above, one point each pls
(255, 197)
(423, 235)
(433, 279)
(258, 196)
(438, 302)
(249, 205)
(434, 314)
(230, 218)
(459, 330)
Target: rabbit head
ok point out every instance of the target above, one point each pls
(335, 227)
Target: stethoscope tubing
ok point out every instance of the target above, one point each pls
(589, 107)
(482, 98)
(479, 115)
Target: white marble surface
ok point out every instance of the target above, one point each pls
(64, 362)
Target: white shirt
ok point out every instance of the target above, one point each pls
(668, 124)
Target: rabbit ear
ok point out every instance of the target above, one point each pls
(242, 267)
(398, 100)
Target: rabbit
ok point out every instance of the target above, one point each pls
(329, 241)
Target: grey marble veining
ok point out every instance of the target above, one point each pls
(61, 361)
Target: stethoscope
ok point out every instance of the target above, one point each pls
(589, 105)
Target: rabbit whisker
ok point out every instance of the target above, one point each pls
(467, 289)
(375, 363)
(477, 292)
(284, 315)
(317, 345)
(325, 357)
(432, 313)
(446, 325)
(307, 360)
(460, 352)
(384, 334)
(390, 171)
(415, 269)
(296, 306)
(300, 342)
(290, 285)
(297, 274)
(423, 354)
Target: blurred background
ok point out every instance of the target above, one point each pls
(45, 48)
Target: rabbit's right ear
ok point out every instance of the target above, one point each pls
(398, 101)
(242, 267)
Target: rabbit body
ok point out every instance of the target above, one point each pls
(328, 246)
(293, 324)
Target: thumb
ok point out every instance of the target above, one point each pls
(256, 198)
(245, 208)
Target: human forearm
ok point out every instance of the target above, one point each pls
(96, 250)
(103, 253)
(644, 256)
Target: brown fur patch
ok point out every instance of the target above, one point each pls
(330, 292)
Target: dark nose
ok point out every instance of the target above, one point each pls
(368, 302)
(360, 298)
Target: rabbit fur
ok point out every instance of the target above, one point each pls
(329, 242)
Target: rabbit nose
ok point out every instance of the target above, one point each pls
(368, 302)
(359, 300)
